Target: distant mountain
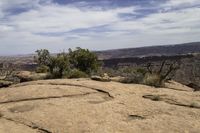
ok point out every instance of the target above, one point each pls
(166, 50)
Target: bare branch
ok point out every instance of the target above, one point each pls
(172, 67)
(161, 68)
(149, 68)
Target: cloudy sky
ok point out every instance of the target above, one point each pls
(27, 25)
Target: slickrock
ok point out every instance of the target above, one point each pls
(86, 106)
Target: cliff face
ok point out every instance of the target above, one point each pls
(64, 106)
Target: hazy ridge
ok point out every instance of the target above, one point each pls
(165, 50)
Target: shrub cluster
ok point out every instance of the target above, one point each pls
(152, 75)
(75, 73)
(81, 63)
(83, 60)
(153, 80)
(74, 64)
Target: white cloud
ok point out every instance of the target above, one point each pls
(27, 29)
(174, 4)
(56, 18)
(181, 2)
(179, 21)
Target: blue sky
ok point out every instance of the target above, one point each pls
(27, 25)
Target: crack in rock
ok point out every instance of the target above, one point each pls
(45, 98)
(169, 101)
(63, 96)
(41, 129)
(76, 85)
(179, 89)
(135, 117)
(68, 84)
(1, 115)
(30, 124)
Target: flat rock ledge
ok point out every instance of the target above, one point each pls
(87, 106)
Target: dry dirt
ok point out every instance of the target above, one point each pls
(85, 106)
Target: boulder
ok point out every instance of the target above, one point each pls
(117, 79)
(105, 78)
(25, 76)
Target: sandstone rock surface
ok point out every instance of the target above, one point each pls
(86, 106)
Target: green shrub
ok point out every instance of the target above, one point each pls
(141, 71)
(75, 73)
(43, 57)
(42, 69)
(153, 80)
(59, 65)
(83, 60)
(50, 76)
(54, 74)
(55, 65)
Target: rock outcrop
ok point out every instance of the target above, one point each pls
(83, 105)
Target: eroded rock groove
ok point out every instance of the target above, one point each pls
(31, 125)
